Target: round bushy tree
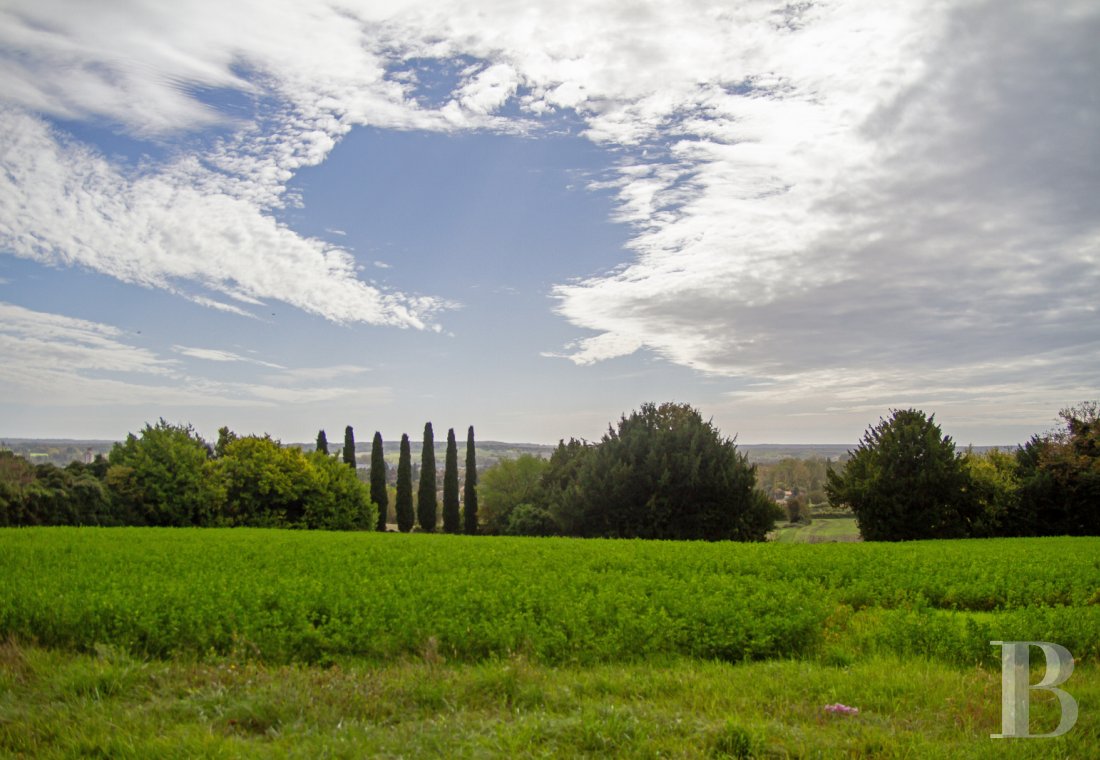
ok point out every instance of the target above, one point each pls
(162, 476)
(336, 499)
(665, 473)
(265, 484)
(905, 481)
(1059, 476)
(505, 486)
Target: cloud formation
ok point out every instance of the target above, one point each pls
(844, 199)
(58, 360)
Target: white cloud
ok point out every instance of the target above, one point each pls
(51, 359)
(217, 355)
(859, 191)
(62, 204)
(878, 217)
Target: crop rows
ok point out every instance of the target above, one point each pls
(286, 596)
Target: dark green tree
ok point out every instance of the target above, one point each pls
(530, 520)
(469, 489)
(1059, 479)
(17, 479)
(225, 437)
(426, 503)
(46, 494)
(322, 442)
(378, 492)
(452, 518)
(403, 502)
(560, 494)
(349, 447)
(665, 473)
(905, 481)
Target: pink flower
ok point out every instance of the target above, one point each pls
(842, 709)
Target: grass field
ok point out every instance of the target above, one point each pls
(141, 642)
(842, 529)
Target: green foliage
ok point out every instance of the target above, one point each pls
(797, 508)
(163, 477)
(349, 447)
(560, 493)
(17, 475)
(452, 518)
(531, 520)
(1059, 477)
(264, 483)
(665, 473)
(322, 442)
(335, 498)
(45, 494)
(108, 704)
(506, 485)
(225, 437)
(469, 489)
(807, 476)
(905, 481)
(733, 741)
(403, 500)
(995, 485)
(426, 503)
(378, 492)
(284, 596)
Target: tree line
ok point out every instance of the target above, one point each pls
(662, 472)
(167, 475)
(906, 480)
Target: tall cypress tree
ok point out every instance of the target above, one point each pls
(349, 447)
(452, 520)
(404, 503)
(322, 443)
(426, 505)
(378, 480)
(469, 495)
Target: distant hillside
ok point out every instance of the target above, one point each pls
(61, 451)
(488, 452)
(58, 451)
(769, 453)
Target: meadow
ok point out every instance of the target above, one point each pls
(277, 643)
(819, 530)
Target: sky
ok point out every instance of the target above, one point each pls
(533, 217)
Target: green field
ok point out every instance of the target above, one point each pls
(821, 530)
(272, 643)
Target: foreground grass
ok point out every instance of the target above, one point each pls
(55, 704)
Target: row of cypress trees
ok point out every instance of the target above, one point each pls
(455, 519)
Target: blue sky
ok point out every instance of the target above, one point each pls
(532, 218)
